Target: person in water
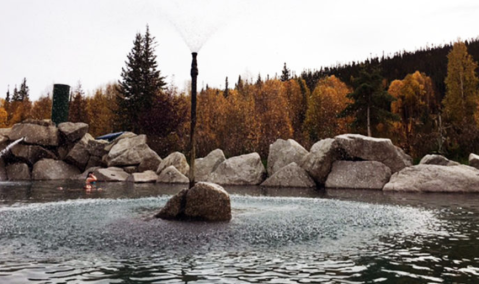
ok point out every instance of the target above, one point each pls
(90, 181)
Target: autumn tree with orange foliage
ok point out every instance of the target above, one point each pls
(42, 108)
(417, 107)
(327, 101)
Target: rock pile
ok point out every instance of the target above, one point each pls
(346, 161)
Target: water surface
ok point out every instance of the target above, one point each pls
(276, 236)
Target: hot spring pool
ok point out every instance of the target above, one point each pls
(275, 236)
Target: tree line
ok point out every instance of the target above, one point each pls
(384, 97)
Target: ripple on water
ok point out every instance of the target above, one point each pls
(269, 239)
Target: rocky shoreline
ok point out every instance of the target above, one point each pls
(350, 161)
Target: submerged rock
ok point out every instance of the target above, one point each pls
(291, 175)
(284, 152)
(435, 178)
(205, 201)
(240, 170)
(358, 175)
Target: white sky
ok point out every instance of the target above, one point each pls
(66, 41)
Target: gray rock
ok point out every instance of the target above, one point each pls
(435, 178)
(176, 159)
(240, 170)
(31, 153)
(175, 207)
(3, 171)
(205, 166)
(144, 177)
(130, 169)
(474, 160)
(49, 169)
(172, 175)
(437, 160)
(374, 149)
(111, 174)
(291, 175)
(150, 161)
(282, 153)
(97, 147)
(128, 152)
(35, 134)
(94, 161)
(205, 201)
(319, 161)
(73, 131)
(358, 175)
(209, 202)
(117, 139)
(18, 171)
(79, 154)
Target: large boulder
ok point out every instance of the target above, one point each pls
(319, 160)
(282, 153)
(205, 201)
(44, 135)
(118, 139)
(111, 174)
(176, 159)
(150, 161)
(128, 152)
(31, 153)
(435, 178)
(49, 169)
(18, 171)
(437, 160)
(374, 149)
(144, 177)
(291, 175)
(358, 175)
(172, 175)
(79, 155)
(474, 160)
(240, 170)
(205, 166)
(73, 131)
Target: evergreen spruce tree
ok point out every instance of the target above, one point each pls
(141, 83)
(285, 74)
(371, 102)
(7, 97)
(24, 91)
(226, 92)
(16, 95)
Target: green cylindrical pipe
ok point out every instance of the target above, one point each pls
(60, 105)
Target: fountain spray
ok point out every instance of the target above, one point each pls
(194, 76)
(10, 146)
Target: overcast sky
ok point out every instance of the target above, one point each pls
(66, 41)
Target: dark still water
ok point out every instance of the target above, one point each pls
(276, 236)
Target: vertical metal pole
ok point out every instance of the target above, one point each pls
(194, 75)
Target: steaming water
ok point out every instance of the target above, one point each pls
(275, 236)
